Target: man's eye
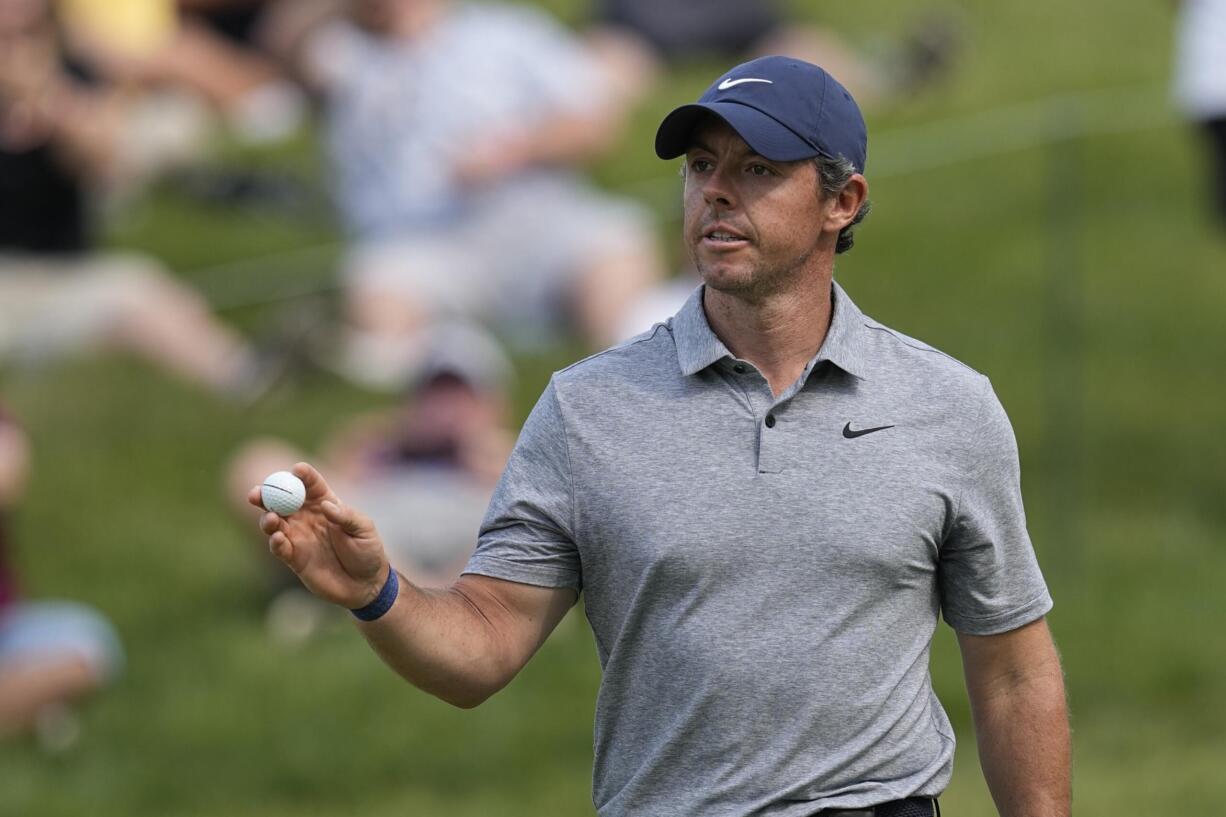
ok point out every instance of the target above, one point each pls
(700, 165)
(760, 170)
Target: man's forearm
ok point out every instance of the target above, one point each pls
(1021, 726)
(466, 642)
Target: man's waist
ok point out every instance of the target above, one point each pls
(909, 807)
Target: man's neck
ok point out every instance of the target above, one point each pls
(779, 333)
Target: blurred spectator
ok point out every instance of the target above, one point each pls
(660, 303)
(200, 46)
(51, 653)
(62, 137)
(634, 38)
(1200, 83)
(455, 131)
(424, 470)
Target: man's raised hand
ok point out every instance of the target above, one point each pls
(334, 550)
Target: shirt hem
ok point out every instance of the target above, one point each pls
(537, 576)
(1003, 622)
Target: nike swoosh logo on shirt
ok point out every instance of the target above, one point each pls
(728, 83)
(851, 435)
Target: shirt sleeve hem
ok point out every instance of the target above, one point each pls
(536, 575)
(1003, 622)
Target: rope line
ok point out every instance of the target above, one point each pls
(898, 152)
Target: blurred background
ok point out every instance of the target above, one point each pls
(205, 212)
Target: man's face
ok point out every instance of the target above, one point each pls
(752, 225)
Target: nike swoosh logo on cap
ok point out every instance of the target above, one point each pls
(728, 83)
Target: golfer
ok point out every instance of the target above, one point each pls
(767, 502)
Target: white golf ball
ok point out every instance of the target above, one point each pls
(282, 493)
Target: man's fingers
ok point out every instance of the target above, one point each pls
(316, 488)
(256, 497)
(270, 523)
(281, 547)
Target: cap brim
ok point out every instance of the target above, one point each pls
(765, 134)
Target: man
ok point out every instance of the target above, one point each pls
(767, 501)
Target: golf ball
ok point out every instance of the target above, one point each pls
(282, 493)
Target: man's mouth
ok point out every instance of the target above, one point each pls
(722, 237)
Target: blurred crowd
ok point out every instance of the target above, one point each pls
(51, 652)
(456, 138)
(1200, 87)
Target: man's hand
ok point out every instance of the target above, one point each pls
(334, 550)
(462, 644)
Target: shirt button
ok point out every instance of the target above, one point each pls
(770, 421)
(739, 368)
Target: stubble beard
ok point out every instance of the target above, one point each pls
(762, 281)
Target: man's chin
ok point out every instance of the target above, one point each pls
(726, 278)
(724, 268)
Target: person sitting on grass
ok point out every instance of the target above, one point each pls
(64, 138)
(425, 468)
(52, 653)
(456, 133)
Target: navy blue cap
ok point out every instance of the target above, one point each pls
(785, 109)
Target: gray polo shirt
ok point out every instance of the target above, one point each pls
(764, 575)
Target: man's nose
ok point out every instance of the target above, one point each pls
(718, 191)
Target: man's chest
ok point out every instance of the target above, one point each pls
(835, 491)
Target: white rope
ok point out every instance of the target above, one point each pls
(985, 134)
(902, 151)
(269, 277)
(1019, 127)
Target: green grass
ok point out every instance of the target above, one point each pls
(1082, 277)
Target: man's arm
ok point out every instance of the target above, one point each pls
(465, 643)
(1016, 690)
(461, 644)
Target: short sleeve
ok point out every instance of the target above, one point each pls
(527, 535)
(989, 577)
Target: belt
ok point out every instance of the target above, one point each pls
(911, 807)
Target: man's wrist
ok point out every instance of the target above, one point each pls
(383, 601)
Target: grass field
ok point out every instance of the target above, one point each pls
(1079, 271)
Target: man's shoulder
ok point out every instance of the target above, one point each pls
(647, 358)
(896, 355)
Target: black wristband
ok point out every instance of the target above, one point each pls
(383, 602)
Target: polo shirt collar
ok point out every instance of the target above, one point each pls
(844, 343)
(699, 347)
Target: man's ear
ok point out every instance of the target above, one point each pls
(847, 203)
